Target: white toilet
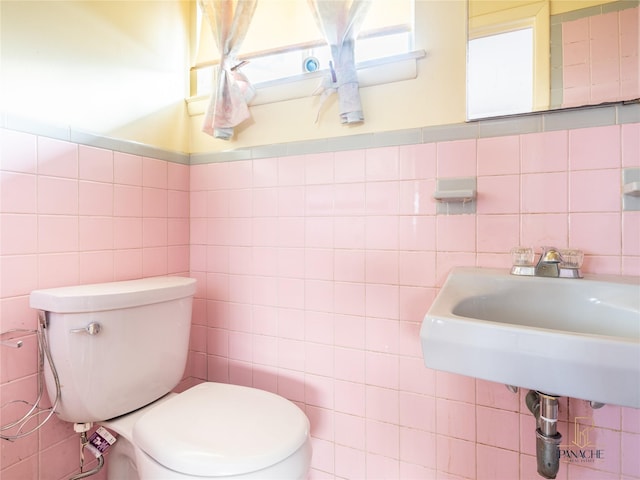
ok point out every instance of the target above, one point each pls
(119, 348)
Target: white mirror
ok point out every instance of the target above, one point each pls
(526, 56)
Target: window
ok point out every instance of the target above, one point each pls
(284, 44)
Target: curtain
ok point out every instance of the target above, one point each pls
(340, 22)
(229, 21)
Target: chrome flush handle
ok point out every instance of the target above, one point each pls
(92, 329)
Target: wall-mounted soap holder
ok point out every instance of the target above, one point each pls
(456, 195)
(631, 189)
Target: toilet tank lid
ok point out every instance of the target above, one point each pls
(112, 295)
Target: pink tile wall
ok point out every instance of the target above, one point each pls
(73, 214)
(315, 272)
(600, 58)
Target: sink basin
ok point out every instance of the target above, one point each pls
(569, 337)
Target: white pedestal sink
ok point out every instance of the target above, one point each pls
(568, 337)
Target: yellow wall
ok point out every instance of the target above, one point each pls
(436, 97)
(119, 69)
(114, 68)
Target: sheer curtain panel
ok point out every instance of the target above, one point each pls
(229, 21)
(340, 22)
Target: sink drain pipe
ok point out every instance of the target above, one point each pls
(545, 408)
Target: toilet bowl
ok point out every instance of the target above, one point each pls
(120, 348)
(212, 431)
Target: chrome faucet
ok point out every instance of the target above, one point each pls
(549, 263)
(552, 263)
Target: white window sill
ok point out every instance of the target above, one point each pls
(373, 72)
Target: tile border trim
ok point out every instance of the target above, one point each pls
(43, 129)
(565, 119)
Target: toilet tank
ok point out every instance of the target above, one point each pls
(116, 346)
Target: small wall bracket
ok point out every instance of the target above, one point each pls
(631, 189)
(456, 195)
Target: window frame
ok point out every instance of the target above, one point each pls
(370, 72)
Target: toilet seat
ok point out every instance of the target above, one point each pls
(216, 429)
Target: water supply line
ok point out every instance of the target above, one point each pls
(88, 473)
(544, 408)
(82, 428)
(23, 426)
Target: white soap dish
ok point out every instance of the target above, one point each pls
(454, 195)
(631, 188)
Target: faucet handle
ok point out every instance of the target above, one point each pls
(572, 258)
(522, 256)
